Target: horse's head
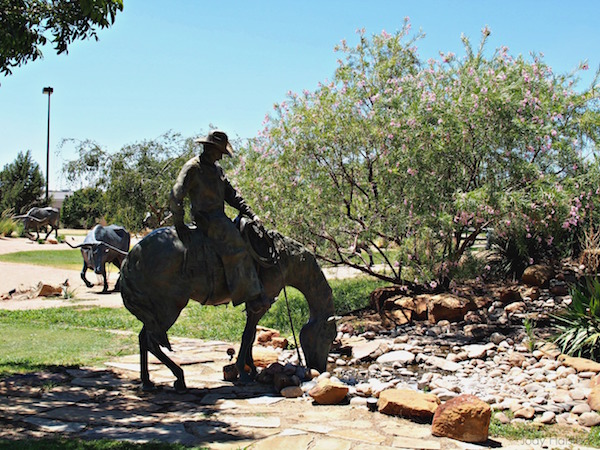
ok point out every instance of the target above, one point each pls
(316, 338)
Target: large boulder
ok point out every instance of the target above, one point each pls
(593, 399)
(417, 305)
(365, 350)
(465, 418)
(408, 403)
(579, 364)
(328, 392)
(48, 290)
(379, 296)
(509, 294)
(264, 356)
(403, 309)
(537, 275)
(448, 307)
(268, 337)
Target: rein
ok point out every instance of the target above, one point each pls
(270, 260)
(277, 259)
(287, 303)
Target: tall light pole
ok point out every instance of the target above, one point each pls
(48, 90)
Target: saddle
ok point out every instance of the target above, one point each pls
(260, 242)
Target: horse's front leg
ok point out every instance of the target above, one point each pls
(245, 353)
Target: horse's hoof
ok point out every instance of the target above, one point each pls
(245, 378)
(180, 387)
(149, 387)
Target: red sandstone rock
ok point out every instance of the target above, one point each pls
(594, 398)
(447, 307)
(264, 356)
(408, 403)
(510, 295)
(47, 290)
(465, 418)
(327, 392)
(580, 364)
(537, 275)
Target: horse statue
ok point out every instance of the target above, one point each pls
(161, 274)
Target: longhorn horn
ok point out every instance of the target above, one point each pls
(118, 250)
(36, 219)
(83, 244)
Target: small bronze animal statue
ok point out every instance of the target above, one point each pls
(103, 245)
(38, 219)
(157, 281)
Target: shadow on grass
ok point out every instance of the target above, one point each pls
(24, 368)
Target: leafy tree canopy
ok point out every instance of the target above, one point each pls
(420, 157)
(83, 209)
(26, 26)
(134, 180)
(21, 184)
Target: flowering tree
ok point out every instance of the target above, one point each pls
(414, 159)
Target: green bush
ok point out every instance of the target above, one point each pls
(579, 324)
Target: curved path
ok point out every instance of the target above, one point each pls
(25, 277)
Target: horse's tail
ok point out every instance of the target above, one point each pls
(138, 302)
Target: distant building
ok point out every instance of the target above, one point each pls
(57, 198)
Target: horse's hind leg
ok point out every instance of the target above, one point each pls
(179, 385)
(147, 385)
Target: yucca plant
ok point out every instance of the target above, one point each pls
(7, 223)
(579, 324)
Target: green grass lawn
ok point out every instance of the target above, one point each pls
(80, 335)
(26, 347)
(63, 259)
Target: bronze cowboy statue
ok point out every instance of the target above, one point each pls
(211, 263)
(203, 180)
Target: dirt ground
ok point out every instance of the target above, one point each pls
(25, 277)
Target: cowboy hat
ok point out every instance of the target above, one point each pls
(218, 139)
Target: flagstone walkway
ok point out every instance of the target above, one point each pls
(106, 403)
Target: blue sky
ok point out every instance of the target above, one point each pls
(185, 64)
